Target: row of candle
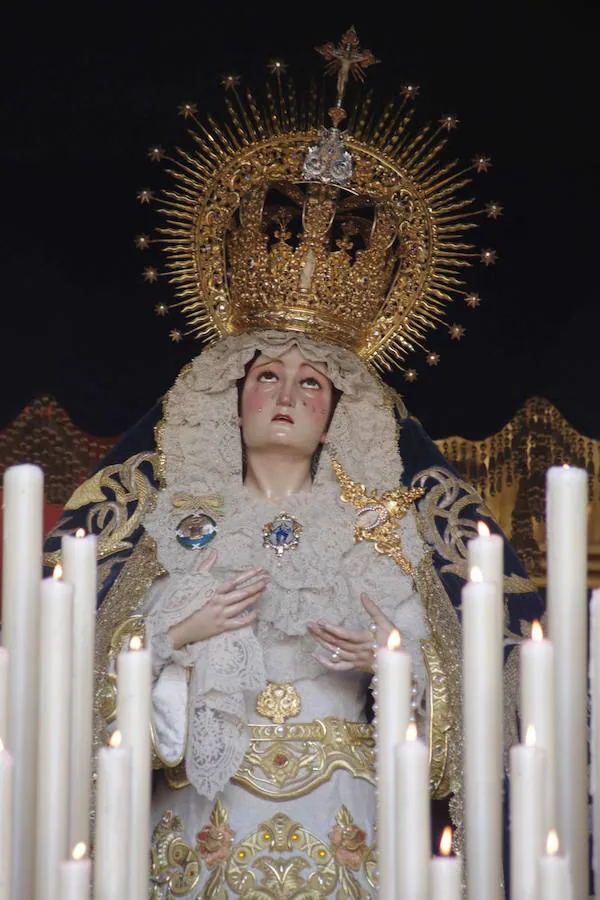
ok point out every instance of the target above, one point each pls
(548, 789)
(48, 656)
(46, 724)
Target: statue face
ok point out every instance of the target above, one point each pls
(285, 403)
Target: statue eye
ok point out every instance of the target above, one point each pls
(267, 375)
(312, 383)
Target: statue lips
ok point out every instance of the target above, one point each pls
(282, 417)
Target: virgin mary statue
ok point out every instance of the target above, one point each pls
(280, 514)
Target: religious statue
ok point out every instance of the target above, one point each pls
(291, 514)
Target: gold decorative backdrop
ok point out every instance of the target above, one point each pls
(508, 468)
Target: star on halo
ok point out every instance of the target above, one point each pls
(481, 163)
(493, 210)
(433, 359)
(456, 332)
(175, 335)
(156, 153)
(187, 109)
(145, 195)
(142, 241)
(488, 257)
(473, 300)
(150, 274)
(277, 67)
(410, 91)
(230, 82)
(161, 309)
(449, 122)
(411, 375)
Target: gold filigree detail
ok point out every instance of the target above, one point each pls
(286, 762)
(278, 861)
(379, 515)
(110, 493)
(450, 527)
(439, 720)
(106, 689)
(120, 605)
(175, 866)
(278, 702)
(442, 653)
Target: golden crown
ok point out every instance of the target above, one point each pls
(354, 237)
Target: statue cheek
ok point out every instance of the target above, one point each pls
(255, 398)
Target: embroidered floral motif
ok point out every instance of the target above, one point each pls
(278, 861)
(215, 840)
(349, 842)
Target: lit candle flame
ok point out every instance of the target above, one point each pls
(79, 851)
(552, 845)
(58, 572)
(135, 643)
(394, 640)
(115, 739)
(483, 530)
(476, 574)
(537, 632)
(80, 533)
(446, 841)
(566, 466)
(530, 736)
(411, 732)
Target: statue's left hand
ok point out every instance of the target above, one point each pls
(351, 649)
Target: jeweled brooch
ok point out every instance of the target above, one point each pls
(282, 534)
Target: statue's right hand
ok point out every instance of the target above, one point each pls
(227, 609)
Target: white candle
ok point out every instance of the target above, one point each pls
(486, 553)
(595, 716)
(445, 871)
(527, 816)
(538, 707)
(112, 820)
(392, 715)
(3, 695)
(6, 813)
(413, 835)
(79, 566)
(74, 875)
(21, 574)
(555, 878)
(52, 823)
(482, 620)
(134, 680)
(566, 526)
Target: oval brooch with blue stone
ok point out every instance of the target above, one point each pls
(282, 534)
(196, 531)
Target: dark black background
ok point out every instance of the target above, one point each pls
(87, 88)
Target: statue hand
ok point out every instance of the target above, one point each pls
(227, 609)
(353, 647)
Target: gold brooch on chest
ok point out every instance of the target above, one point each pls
(378, 515)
